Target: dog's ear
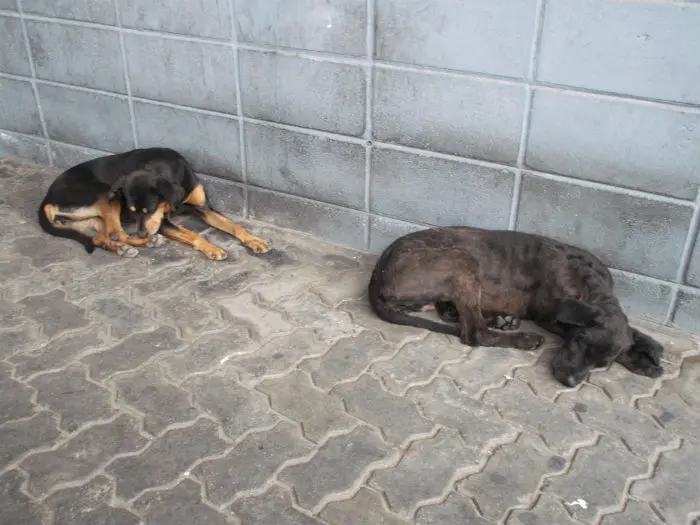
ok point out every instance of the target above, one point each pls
(117, 187)
(171, 192)
(576, 313)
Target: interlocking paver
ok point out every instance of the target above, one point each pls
(397, 417)
(416, 362)
(347, 359)
(366, 506)
(674, 490)
(69, 393)
(21, 436)
(224, 478)
(89, 504)
(181, 505)
(511, 476)
(236, 407)
(16, 507)
(318, 412)
(598, 475)
(157, 465)
(457, 509)
(278, 356)
(556, 424)
(339, 463)
(162, 403)
(82, 454)
(131, 353)
(263, 389)
(274, 506)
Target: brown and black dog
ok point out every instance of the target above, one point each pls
(475, 276)
(90, 202)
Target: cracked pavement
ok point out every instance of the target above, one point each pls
(170, 389)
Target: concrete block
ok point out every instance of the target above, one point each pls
(186, 73)
(314, 167)
(8, 5)
(687, 315)
(333, 26)
(642, 298)
(99, 11)
(463, 116)
(76, 55)
(93, 120)
(18, 110)
(646, 49)
(224, 195)
(210, 142)
(616, 142)
(211, 19)
(441, 192)
(14, 51)
(68, 155)
(627, 232)
(339, 225)
(306, 93)
(470, 35)
(23, 147)
(693, 276)
(383, 231)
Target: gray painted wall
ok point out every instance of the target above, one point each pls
(360, 120)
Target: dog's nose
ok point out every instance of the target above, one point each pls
(570, 381)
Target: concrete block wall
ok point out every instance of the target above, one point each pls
(361, 120)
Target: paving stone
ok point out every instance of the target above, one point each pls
(17, 508)
(511, 476)
(82, 454)
(361, 314)
(42, 253)
(634, 513)
(457, 509)
(366, 506)
(15, 397)
(479, 425)
(416, 362)
(225, 478)
(636, 430)
(318, 412)
(598, 475)
(278, 356)
(264, 322)
(339, 463)
(58, 352)
(161, 402)
(69, 393)
(539, 375)
(54, 313)
(42, 281)
(674, 490)
(132, 352)
(237, 408)
(487, 368)
(162, 282)
(226, 283)
(670, 411)
(290, 283)
(157, 465)
(208, 352)
(19, 437)
(351, 284)
(547, 511)
(309, 311)
(425, 471)
(187, 315)
(347, 359)
(555, 424)
(10, 314)
(89, 504)
(621, 385)
(397, 417)
(274, 506)
(687, 384)
(24, 338)
(181, 505)
(106, 281)
(122, 317)
(15, 267)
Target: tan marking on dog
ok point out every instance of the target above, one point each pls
(185, 236)
(152, 224)
(197, 196)
(218, 221)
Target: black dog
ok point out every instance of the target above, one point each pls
(89, 202)
(478, 277)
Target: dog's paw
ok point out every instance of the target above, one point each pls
(127, 251)
(507, 323)
(257, 245)
(528, 341)
(214, 253)
(156, 241)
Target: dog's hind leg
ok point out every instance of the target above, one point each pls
(94, 228)
(178, 233)
(197, 198)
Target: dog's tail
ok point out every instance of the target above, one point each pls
(67, 233)
(391, 314)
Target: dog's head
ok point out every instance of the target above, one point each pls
(593, 339)
(149, 196)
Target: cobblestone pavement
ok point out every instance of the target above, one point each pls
(169, 389)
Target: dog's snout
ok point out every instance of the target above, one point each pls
(570, 381)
